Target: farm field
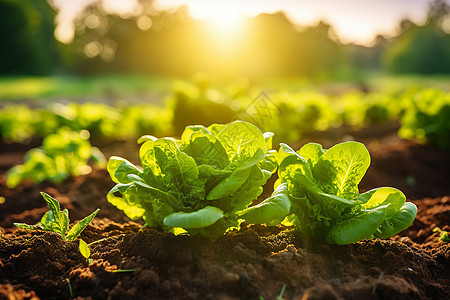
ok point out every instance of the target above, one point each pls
(405, 130)
(162, 149)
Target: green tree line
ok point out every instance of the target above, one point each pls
(171, 43)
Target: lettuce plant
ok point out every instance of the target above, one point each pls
(62, 154)
(319, 195)
(199, 184)
(426, 118)
(57, 221)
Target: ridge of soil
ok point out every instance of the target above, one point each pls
(242, 265)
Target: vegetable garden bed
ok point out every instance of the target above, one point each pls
(258, 261)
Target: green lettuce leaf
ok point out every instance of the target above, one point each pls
(201, 218)
(233, 182)
(207, 150)
(340, 169)
(119, 168)
(361, 226)
(398, 222)
(311, 152)
(242, 138)
(272, 210)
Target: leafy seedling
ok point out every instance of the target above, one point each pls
(444, 235)
(84, 250)
(84, 247)
(57, 221)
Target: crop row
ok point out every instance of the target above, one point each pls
(205, 182)
(423, 114)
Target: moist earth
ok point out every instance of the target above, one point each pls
(257, 262)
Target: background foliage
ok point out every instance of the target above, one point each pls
(171, 43)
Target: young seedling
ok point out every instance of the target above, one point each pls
(121, 270)
(85, 251)
(444, 236)
(70, 288)
(279, 297)
(57, 221)
(318, 192)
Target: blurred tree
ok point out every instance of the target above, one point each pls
(149, 41)
(26, 35)
(368, 57)
(169, 42)
(275, 47)
(422, 49)
(321, 55)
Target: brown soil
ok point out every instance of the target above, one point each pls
(255, 262)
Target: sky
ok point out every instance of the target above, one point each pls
(354, 21)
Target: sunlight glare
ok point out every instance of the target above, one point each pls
(222, 19)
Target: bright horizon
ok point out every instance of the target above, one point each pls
(353, 21)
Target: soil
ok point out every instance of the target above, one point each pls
(253, 263)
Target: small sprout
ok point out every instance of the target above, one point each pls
(29, 240)
(58, 221)
(380, 277)
(70, 288)
(100, 240)
(121, 270)
(280, 296)
(445, 237)
(84, 249)
(103, 239)
(410, 180)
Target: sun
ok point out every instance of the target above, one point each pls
(222, 18)
(226, 22)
